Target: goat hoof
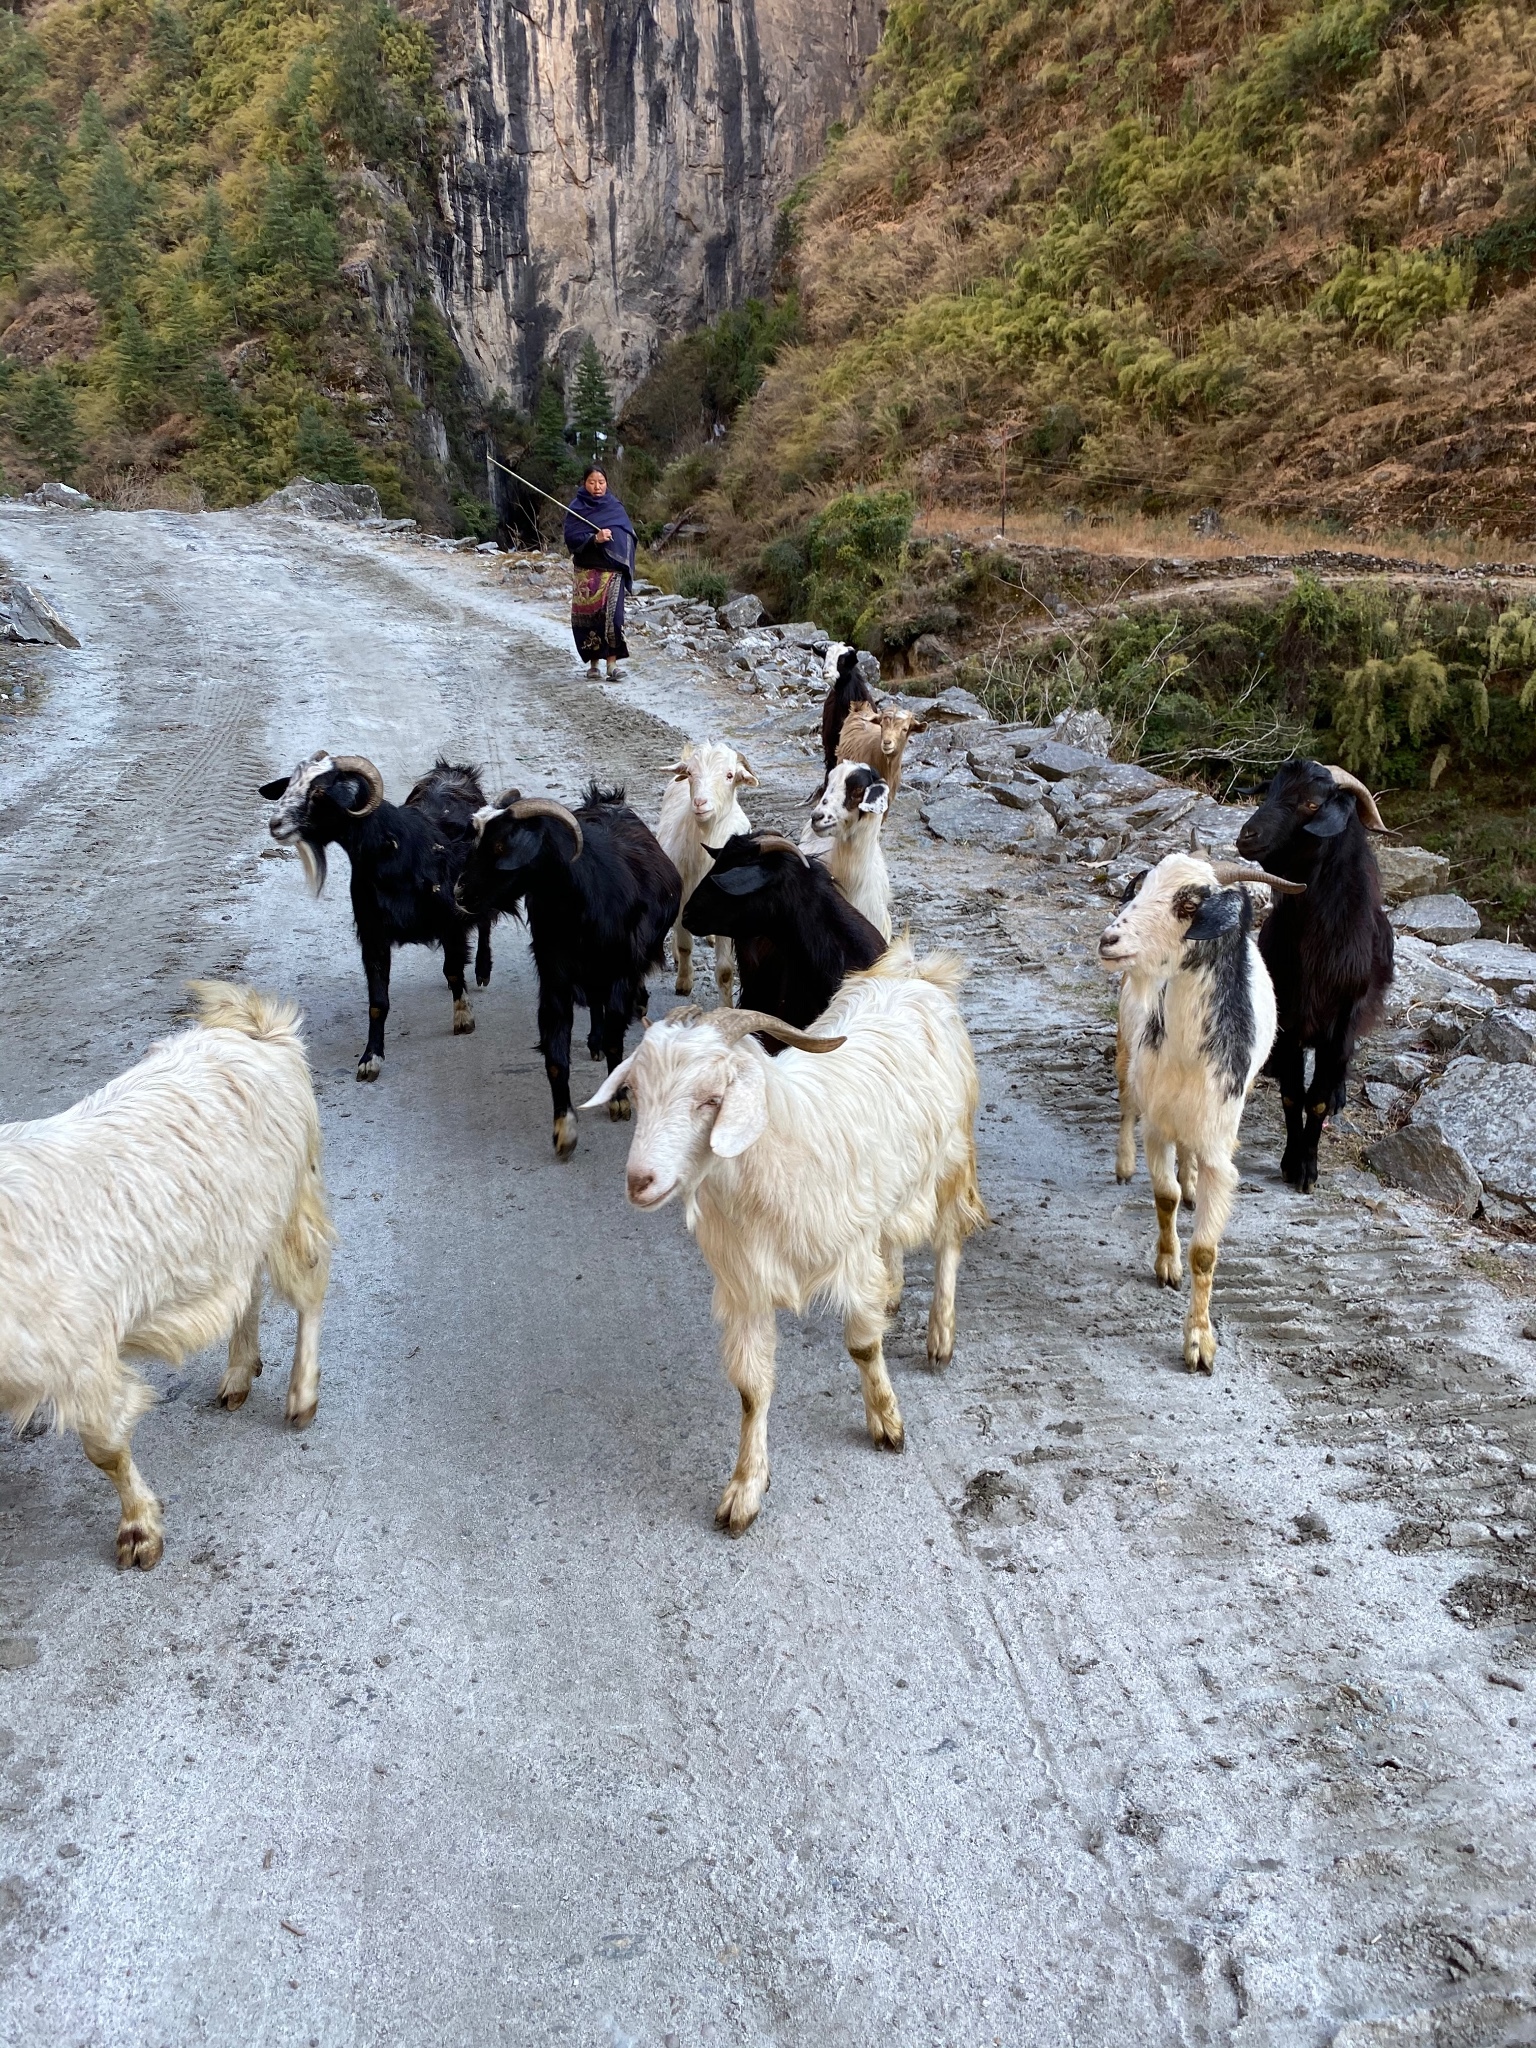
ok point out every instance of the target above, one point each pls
(463, 1020)
(620, 1109)
(483, 977)
(234, 1397)
(886, 1434)
(1169, 1272)
(1200, 1352)
(300, 1418)
(368, 1069)
(140, 1544)
(739, 1505)
(1125, 1173)
(565, 1135)
(939, 1357)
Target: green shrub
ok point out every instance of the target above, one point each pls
(1391, 295)
(700, 581)
(854, 549)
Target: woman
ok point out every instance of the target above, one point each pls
(602, 545)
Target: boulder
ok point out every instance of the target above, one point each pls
(1422, 982)
(63, 497)
(1411, 871)
(971, 819)
(929, 652)
(1122, 780)
(1491, 961)
(1486, 1109)
(304, 499)
(1383, 1097)
(1508, 1036)
(1425, 1162)
(1020, 794)
(1056, 761)
(802, 633)
(1397, 1069)
(949, 704)
(869, 668)
(1090, 731)
(27, 616)
(1440, 919)
(742, 613)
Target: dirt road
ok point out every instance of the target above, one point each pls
(454, 1720)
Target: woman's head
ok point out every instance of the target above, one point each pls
(595, 483)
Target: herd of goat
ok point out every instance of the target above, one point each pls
(149, 1219)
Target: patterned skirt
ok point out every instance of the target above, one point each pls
(597, 615)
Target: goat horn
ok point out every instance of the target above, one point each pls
(734, 1025)
(1228, 871)
(546, 807)
(359, 764)
(775, 842)
(1365, 803)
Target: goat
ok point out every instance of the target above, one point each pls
(1138, 999)
(405, 860)
(140, 1223)
(808, 1178)
(848, 688)
(701, 809)
(1207, 1021)
(879, 739)
(1329, 954)
(795, 934)
(844, 832)
(600, 897)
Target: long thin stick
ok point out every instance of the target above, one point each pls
(569, 509)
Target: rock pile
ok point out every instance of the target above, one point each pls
(28, 618)
(60, 497)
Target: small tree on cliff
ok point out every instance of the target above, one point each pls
(591, 404)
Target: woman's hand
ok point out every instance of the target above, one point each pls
(605, 533)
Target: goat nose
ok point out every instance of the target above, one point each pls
(640, 1180)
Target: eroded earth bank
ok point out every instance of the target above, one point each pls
(1127, 1708)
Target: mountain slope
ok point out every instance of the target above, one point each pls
(1275, 257)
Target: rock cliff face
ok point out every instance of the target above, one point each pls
(619, 165)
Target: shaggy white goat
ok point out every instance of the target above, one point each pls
(701, 808)
(139, 1222)
(844, 832)
(1203, 1016)
(809, 1176)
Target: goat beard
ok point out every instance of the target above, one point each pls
(313, 858)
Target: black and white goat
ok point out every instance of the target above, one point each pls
(795, 933)
(848, 688)
(1330, 952)
(405, 861)
(1206, 1015)
(844, 831)
(600, 897)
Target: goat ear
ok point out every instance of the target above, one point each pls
(614, 1082)
(743, 1113)
(746, 772)
(274, 789)
(876, 798)
(1221, 912)
(739, 881)
(1334, 816)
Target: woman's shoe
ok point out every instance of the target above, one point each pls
(613, 670)
(592, 670)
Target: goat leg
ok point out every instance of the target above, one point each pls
(244, 1352)
(682, 939)
(863, 1332)
(1288, 1065)
(1162, 1166)
(725, 970)
(747, 1344)
(615, 1022)
(1213, 1205)
(555, 1010)
(141, 1528)
(1325, 1098)
(1125, 1151)
(455, 959)
(376, 967)
(483, 953)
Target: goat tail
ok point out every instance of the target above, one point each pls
(945, 970)
(225, 1006)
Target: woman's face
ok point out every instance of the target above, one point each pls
(595, 484)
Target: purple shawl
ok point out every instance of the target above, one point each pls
(603, 511)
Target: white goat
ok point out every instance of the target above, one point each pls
(1202, 1012)
(139, 1222)
(701, 808)
(844, 832)
(808, 1178)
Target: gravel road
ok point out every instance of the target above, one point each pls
(455, 1720)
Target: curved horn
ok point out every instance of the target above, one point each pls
(359, 764)
(546, 807)
(734, 1025)
(1228, 871)
(1365, 803)
(775, 842)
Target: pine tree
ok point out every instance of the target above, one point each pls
(134, 373)
(549, 458)
(218, 266)
(591, 403)
(93, 133)
(111, 215)
(45, 420)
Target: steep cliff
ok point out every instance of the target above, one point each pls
(617, 166)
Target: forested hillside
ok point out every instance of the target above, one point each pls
(205, 228)
(1272, 257)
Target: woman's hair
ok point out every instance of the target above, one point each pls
(594, 469)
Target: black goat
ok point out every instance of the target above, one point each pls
(601, 897)
(796, 935)
(1329, 952)
(849, 689)
(405, 860)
